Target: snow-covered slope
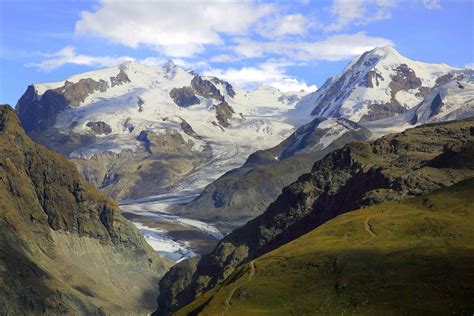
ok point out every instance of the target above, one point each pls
(380, 83)
(164, 111)
(450, 99)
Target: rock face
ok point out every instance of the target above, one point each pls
(165, 157)
(227, 86)
(224, 113)
(99, 128)
(65, 248)
(120, 79)
(244, 193)
(39, 113)
(404, 79)
(184, 96)
(188, 129)
(436, 105)
(205, 88)
(415, 162)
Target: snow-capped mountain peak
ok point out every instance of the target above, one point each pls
(139, 110)
(380, 83)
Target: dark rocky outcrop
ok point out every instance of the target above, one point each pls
(99, 128)
(422, 92)
(188, 129)
(436, 105)
(64, 247)
(227, 86)
(165, 144)
(205, 88)
(372, 79)
(415, 162)
(224, 113)
(140, 104)
(120, 79)
(444, 79)
(184, 96)
(381, 111)
(38, 113)
(404, 79)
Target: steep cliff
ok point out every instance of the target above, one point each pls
(65, 247)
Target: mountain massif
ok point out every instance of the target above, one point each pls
(383, 91)
(415, 162)
(137, 130)
(380, 83)
(64, 246)
(323, 195)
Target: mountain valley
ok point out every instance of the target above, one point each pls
(222, 190)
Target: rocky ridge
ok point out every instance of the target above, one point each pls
(415, 162)
(53, 222)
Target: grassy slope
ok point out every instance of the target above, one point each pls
(408, 257)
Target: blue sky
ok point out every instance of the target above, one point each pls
(288, 44)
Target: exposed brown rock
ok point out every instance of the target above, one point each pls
(224, 113)
(99, 128)
(205, 88)
(120, 79)
(184, 96)
(37, 114)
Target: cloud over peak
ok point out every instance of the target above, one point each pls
(68, 55)
(178, 29)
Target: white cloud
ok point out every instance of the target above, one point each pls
(358, 12)
(68, 55)
(336, 47)
(270, 74)
(432, 4)
(292, 24)
(469, 66)
(225, 58)
(178, 29)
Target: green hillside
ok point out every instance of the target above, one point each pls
(409, 257)
(416, 162)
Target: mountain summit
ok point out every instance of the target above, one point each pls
(380, 83)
